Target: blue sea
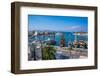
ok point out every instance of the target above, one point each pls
(69, 36)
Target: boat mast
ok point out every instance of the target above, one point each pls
(76, 36)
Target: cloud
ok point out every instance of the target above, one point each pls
(75, 27)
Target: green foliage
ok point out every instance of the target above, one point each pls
(48, 53)
(33, 32)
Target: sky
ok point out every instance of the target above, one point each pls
(58, 23)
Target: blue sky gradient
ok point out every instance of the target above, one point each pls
(58, 23)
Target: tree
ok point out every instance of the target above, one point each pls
(33, 32)
(62, 41)
(48, 52)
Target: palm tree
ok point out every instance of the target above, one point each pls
(48, 52)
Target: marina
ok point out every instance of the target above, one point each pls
(63, 45)
(57, 37)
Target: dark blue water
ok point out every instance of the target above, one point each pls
(69, 36)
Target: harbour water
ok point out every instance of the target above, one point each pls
(69, 37)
